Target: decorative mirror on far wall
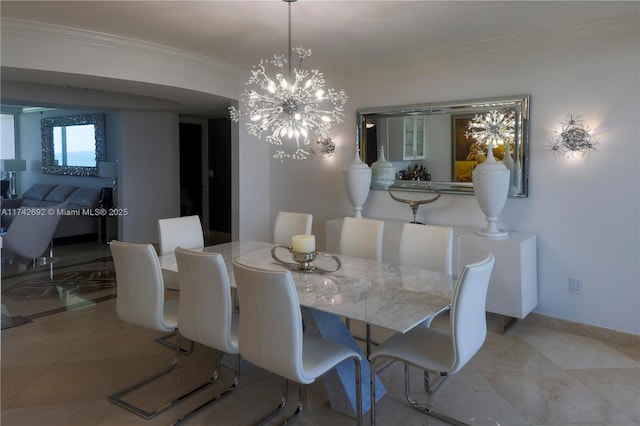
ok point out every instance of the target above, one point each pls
(434, 147)
(73, 145)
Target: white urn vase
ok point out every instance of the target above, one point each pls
(507, 160)
(357, 180)
(383, 174)
(516, 176)
(491, 187)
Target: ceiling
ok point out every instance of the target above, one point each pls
(241, 32)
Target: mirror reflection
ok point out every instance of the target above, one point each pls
(435, 147)
(73, 145)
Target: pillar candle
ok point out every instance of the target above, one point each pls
(303, 243)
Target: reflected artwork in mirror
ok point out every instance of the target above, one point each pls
(73, 145)
(434, 147)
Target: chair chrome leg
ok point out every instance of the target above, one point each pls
(163, 340)
(281, 405)
(430, 386)
(234, 384)
(357, 366)
(299, 407)
(51, 257)
(424, 407)
(367, 339)
(372, 387)
(118, 400)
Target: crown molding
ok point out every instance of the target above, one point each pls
(24, 28)
(518, 41)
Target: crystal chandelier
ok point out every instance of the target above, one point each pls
(290, 107)
(492, 129)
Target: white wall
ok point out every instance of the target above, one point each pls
(584, 211)
(149, 176)
(253, 187)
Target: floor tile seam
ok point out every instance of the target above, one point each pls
(505, 400)
(551, 365)
(518, 370)
(595, 397)
(56, 403)
(612, 400)
(81, 305)
(604, 369)
(44, 269)
(507, 397)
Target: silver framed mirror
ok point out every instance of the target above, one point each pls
(73, 145)
(434, 139)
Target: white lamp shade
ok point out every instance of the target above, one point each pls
(107, 169)
(13, 165)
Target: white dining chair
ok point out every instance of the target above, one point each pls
(427, 247)
(271, 335)
(205, 313)
(184, 231)
(443, 352)
(289, 224)
(141, 302)
(362, 238)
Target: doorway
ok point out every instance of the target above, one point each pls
(205, 175)
(191, 166)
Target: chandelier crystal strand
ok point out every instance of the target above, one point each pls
(290, 107)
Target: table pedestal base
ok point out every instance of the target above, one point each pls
(339, 382)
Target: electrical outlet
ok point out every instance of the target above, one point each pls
(575, 286)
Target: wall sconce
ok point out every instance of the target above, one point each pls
(324, 148)
(572, 137)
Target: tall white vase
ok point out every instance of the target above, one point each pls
(383, 174)
(491, 187)
(516, 175)
(507, 160)
(357, 180)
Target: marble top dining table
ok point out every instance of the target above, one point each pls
(394, 297)
(397, 298)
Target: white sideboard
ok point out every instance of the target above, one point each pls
(513, 289)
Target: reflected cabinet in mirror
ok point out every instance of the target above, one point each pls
(73, 145)
(435, 146)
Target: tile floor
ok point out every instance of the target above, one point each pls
(60, 369)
